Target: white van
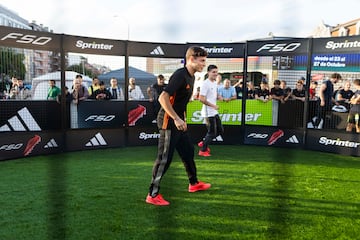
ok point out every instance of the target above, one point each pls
(40, 85)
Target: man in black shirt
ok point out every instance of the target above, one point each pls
(326, 98)
(344, 95)
(173, 128)
(276, 92)
(299, 92)
(154, 92)
(101, 94)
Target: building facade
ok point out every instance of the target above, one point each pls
(350, 28)
(36, 62)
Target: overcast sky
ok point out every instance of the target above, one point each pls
(180, 21)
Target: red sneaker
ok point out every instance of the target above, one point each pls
(201, 144)
(200, 186)
(204, 153)
(158, 200)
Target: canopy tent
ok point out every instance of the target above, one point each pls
(142, 78)
(69, 75)
(40, 84)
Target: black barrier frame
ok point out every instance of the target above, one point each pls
(232, 134)
(146, 133)
(321, 140)
(275, 135)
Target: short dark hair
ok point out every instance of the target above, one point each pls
(336, 76)
(211, 67)
(78, 76)
(160, 76)
(101, 83)
(277, 82)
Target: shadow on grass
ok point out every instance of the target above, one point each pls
(57, 197)
(250, 153)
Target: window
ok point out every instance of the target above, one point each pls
(357, 28)
(343, 31)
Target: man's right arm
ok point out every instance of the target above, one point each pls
(205, 102)
(164, 100)
(321, 94)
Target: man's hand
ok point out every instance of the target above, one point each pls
(180, 124)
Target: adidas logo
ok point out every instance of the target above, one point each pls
(157, 51)
(23, 121)
(51, 144)
(97, 140)
(292, 139)
(218, 139)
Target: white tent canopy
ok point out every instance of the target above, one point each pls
(40, 84)
(69, 75)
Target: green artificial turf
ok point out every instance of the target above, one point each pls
(257, 193)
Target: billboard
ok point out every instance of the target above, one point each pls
(334, 142)
(18, 145)
(257, 112)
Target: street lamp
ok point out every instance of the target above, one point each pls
(83, 65)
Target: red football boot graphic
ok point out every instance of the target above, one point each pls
(275, 136)
(135, 114)
(31, 144)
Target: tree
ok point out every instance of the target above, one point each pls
(12, 63)
(80, 69)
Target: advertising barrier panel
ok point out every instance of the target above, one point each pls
(23, 116)
(222, 50)
(143, 136)
(257, 113)
(111, 114)
(141, 113)
(232, 134)
(79, 140)
(21, 38)
(274, 136)
(335, 142)
(94, 45)
(18, 145)
(101, 114)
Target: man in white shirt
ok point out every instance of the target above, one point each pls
(208, 97)
(135, 92)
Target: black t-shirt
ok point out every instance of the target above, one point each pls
(287, 91)
(158, 90)
(239, 91)
(100, 91)
(328, 93)
(180, 89)
(355, 108)
(346, 94)
(262, 93)
(277, 92)
(298, 93)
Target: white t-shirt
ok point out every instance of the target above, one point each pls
(136, 94)
(209, 90)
